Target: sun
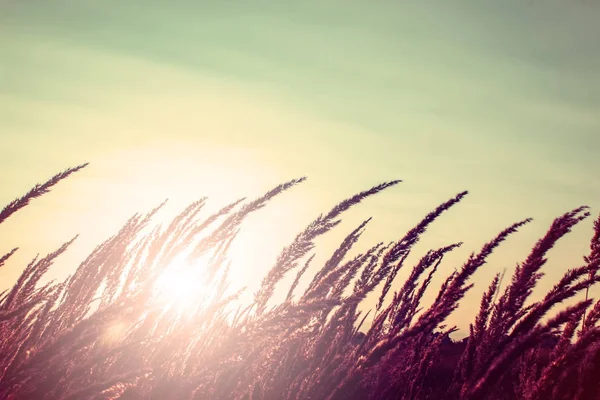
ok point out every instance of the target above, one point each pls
(183, 286)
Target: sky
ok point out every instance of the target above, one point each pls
(183, 99)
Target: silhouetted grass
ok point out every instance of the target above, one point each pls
(105, 332)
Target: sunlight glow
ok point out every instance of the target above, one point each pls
(183, 287)
(115, 332)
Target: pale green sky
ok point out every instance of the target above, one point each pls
(501, 97)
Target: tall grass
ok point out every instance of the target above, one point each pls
(106, 332)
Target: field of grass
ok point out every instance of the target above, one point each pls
(110, 331)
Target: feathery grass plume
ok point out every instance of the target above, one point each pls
(446, 302)
(219, 258)
(304, 242)
(401, 247)
(326, 276)
(37, 191)
(394, 257)
(105, 333)
(7, 256)
(367, 272)
(400, 250)
(227, 228)
(415, 300)
(390, 278)
(102, 387)
(592, 257)
(510, 305)
(338, 281)
(21, 281)
(457, 286)
(494, 371)
(36, 332)
(37, 271)
(367, 261)
(587, 385)
(407, 301)
(476, 331)
(195, 228)
(181, 224)
(6, 315)
(90, 275)
(298, 277)
(592, 318)
(564, 358)
(566, 288)
(361, 323)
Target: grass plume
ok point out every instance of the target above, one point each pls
(106, 332)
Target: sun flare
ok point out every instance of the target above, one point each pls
(183, 285)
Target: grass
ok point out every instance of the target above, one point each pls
(105, 332)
